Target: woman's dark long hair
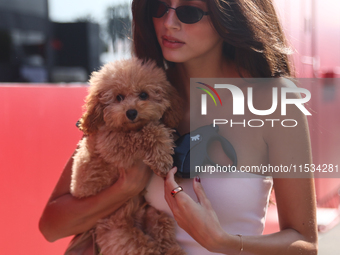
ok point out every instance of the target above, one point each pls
(253, 37)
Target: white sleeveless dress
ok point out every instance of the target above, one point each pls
(240, 204)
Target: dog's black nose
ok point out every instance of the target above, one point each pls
(131, 114)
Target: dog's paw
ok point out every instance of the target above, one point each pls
(158, 166)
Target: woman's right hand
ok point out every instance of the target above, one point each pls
(65, 215)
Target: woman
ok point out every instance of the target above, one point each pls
(231, 39)
(216, 39)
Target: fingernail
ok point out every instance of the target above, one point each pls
(197, 179)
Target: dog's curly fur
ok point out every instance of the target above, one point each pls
(130, 112)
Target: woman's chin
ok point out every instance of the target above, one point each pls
(176, 57)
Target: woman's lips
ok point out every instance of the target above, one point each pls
(171, 42)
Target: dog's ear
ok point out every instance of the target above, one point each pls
(173, 115)
(94, 115)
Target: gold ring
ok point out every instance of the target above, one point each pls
(176, 190)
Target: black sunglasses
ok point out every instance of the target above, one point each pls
(186, 14)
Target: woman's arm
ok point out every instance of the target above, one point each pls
(65, 215)
(295, 197)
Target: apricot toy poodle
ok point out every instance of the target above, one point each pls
(131, 109)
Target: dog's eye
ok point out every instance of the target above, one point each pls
(120, 98)
(143, 96)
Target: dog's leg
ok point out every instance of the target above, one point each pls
(91, 177)
(126, 241)
(162, 228)
(161, 144)
(90, 173)
(121, 234)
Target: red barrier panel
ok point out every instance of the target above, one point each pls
(38, 135)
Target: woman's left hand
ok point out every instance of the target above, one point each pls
(198, 219)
